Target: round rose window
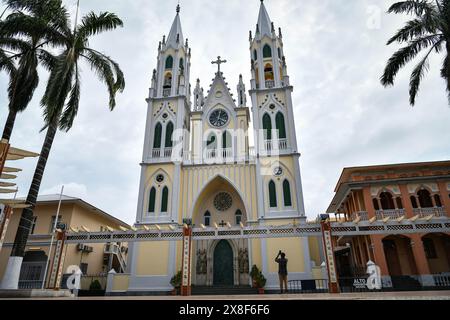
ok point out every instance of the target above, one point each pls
(223, 201)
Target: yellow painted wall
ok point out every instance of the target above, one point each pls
(314, 249)
(293, 248)
(152, 258)
(121, 282)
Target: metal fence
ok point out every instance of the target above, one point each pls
(308, 286)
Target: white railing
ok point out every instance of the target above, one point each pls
(270, 84)
(156, 153)
(441, 280)
(393, 214)
(166, 92)
(436, 211)
(282, 144)
(272, 144)
(364, 215)
(219, 153)
(167, 152)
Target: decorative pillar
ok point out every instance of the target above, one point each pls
(329, 254)
(445, 198)
(421, 260)
(407, 205)
(368, 202)
(4, 221)
(186, 262)
(58, 262)
(380, 259)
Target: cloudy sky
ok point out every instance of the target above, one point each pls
(335, 50)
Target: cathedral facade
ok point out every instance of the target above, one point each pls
(198, 167)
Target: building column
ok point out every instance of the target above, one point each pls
(368, 202)
(380, 259)
(421, 260)
(445, 199)
(407, 205)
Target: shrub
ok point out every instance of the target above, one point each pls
(95, 286)
(176, 280)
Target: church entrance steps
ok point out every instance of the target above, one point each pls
(223, 290)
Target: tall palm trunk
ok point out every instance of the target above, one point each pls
(7, 130)
(23, 230)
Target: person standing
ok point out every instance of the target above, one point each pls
(282, 270)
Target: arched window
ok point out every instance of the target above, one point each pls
(272, 194)
(399, 203)
(167, 81)
(375, 204)
(226, 140)
(267, 51)
(181, 63)
(387, 202)
(255, 55)
(169, 133)
(279, 53)
(238, 217)
(211, 143)
(268, 72)
(287, 194)
(425, 199)
(157, 136)
(267, 127)
(151, 200)
(437, 200)
(169, 62)
(164, 199)
(279, 120)
(413, 202)
(207, 219)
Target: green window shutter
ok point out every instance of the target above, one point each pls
(151, 200)
(164, 199)
(169, 62)
(280, 126)
(267, 127)
(157, 136)
(226, 140)
(267, 51)
(287, 194)
(272, 195)
(169, 132)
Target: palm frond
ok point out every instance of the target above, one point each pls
(92, 24)
(405, 55)
(418, 73)
(413, 29)
(417, 7)
(103, 68)
(71, 110)
(7, 64)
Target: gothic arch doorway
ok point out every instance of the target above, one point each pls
(223, 264)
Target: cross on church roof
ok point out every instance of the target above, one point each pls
(223, 223)
(218, 62)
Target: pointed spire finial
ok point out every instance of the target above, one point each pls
(178, 8)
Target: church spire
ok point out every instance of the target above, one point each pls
(175, 38)
(264, 26)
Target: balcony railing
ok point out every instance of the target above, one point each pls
(270, 84)
(165, 153)
(425, 212)
(393, 214)
(275, 144)
(363, 215)
(226, 153)
(166, 92)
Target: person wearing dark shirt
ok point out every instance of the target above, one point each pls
(282, 270)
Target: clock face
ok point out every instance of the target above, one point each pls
(278, 171)
(218, 118)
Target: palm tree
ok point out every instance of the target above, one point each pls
(26, 34)
(430, 30)
(62, 96)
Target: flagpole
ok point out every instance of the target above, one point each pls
(53, 237)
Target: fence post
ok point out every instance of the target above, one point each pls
(110, 281)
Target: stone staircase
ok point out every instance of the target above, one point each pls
(223, 290)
